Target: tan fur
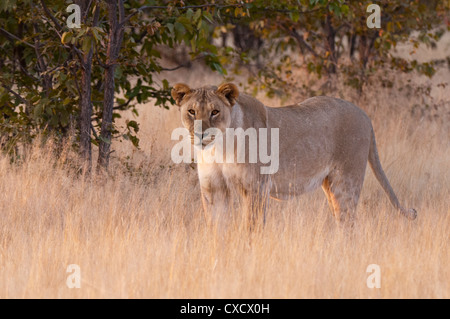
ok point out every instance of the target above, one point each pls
(323, 141)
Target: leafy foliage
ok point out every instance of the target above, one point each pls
(43, 61)
(332, 37)
(41, 72)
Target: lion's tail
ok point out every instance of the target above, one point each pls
(375, 164)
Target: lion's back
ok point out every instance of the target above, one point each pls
(320, 112)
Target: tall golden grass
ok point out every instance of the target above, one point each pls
(141, 232)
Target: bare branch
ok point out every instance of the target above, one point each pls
(103, 65)
(41, 62)
(17, 95)
(301, 41)
(94, 132)
(96, 15)
(87, 11)
(50, 15)
(184, 65)
(121, 106)
(76, 80)
(13, 37)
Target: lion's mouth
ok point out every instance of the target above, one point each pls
(198, 140)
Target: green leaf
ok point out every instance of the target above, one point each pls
(193, 45)
(134, 140)
(104, 140)
(170, 27)
(295, 16)
(133, 124)
(189, 14)
(186, 23)
(67, 100)
(66, 37)
(208, 17)
(37, 111)
(179, 30)
(86, 44)
(334, 7)
(141, 69)
(96, 35)
(165, 84)
(54, 121)
(345, 9)
(197, 15)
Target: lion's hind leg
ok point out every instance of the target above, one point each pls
(332, 201)
(342, 192)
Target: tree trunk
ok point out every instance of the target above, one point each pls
(106, 129)
(352, 45)
(85, 99)
(330, 41)
(86, 112)
(114, 45)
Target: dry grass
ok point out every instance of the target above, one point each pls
(144, 235)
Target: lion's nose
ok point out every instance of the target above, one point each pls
(201, 135)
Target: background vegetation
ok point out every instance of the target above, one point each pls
(72, 83)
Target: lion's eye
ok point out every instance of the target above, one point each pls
(191, 111)
(215, 112)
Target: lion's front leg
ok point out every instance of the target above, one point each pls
(216, 202)
(255, 202)
(215, 195)
(206, 200)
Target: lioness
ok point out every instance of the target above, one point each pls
(322, 141)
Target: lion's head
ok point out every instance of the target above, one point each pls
(209, 106)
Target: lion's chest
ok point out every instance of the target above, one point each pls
(215, 176)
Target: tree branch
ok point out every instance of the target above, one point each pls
(17, 95)
(94, 132)
(50, 15)
(121, 106)
(183, 65)
(212, 5)
(300, 40)
(87, 11)
(13, 37)
(103, 65)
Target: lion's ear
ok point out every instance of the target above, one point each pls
(179, 90)
(230, 91)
